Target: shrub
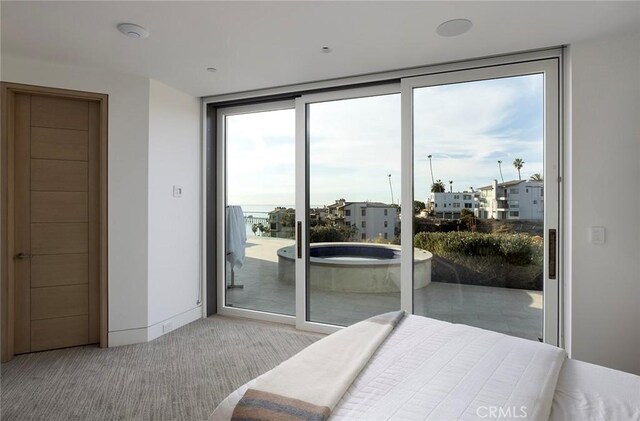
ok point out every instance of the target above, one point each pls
(496, 260)
(329, 234)
(515, 249)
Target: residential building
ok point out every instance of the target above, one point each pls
(450, 204)
(516, 199)
(372, 219)
(282, 222)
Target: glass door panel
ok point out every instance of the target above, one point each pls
(479, 184)
(260, 214)
(353, 265)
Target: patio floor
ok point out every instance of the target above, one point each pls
(511, 311)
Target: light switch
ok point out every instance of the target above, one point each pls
(596, 236)
(177, 191)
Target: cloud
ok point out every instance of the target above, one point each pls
(355, 143)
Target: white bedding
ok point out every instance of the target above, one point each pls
(590, 392)
(433, 370)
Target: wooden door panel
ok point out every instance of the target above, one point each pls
(59, 269)
(59, 333)
(59, 207)
(21, 224)
(52, 302)
(47, 143)
(59, 238)
(50, 175)
(59, 113)
(56, 189)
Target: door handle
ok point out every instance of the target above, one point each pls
(552, 254)
(22, 256)
(299, 239)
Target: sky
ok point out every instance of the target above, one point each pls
(354, 144)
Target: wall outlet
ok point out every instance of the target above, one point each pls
(177, 191)
(167, 327)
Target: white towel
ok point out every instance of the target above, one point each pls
(236, 236)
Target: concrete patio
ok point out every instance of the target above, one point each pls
(511, 311)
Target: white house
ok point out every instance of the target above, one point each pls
(372, 219)
(516, 199)
(449, 204)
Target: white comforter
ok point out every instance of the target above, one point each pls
(433, 370)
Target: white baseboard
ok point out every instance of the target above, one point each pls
(146, 334)
(127, 337)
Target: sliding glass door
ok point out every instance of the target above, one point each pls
(485, 145)
(437, 194)
(258, 191)
(351, 259)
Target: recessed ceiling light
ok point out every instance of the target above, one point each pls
(132, 30)
(211, 69)
(454, 27)
(325, 50)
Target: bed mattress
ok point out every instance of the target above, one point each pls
(428, 369)
(433, 370)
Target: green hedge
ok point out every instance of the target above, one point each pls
(515, 249)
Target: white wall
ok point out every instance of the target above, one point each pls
(174, 223)
(154, 239)
(603, 171)
(128, 172)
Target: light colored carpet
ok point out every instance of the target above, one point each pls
(180, 376)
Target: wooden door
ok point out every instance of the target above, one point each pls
(56, 192)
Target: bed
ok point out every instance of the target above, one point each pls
(416, 368)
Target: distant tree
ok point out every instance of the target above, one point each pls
(263, 229)
(451, 185)
(289, 218)
(500, 168)
(518, 163)
(418, 206)
(536, 177)
(467, 218)
(437, 187)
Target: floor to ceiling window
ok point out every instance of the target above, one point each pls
(438, 195)
(353, 147)
(478, 178)
(259, 205)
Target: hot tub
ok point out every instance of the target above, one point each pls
(355, 267)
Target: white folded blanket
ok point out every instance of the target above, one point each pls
(309, 385)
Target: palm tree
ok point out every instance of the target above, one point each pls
(500, 168)
(431, 169)
(391, 188)
(450, 185)
(518, 163)
(437, 187)
(536, 177)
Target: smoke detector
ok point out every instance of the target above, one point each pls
(132, 30)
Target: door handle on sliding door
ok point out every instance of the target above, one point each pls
(299, 239)
(552, 254)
